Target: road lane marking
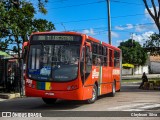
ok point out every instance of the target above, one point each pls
(150, 106)
(124, 107)
(135, 107)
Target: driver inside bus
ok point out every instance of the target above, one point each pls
(97, 61)
(74, 61)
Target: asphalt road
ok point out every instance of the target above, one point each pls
(125, 104)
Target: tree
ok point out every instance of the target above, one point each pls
(152, 45)
(18, 22)
(133, 53)
(156, 14)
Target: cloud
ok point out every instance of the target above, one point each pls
(137, 38)
(114, 34)
(149, 18)
(152, 10)
(145, 27)
(126, 27)
(129, 26)
(141, 38)
(88, 31)
(140, 28)
(119, 28)
(119, 41)
(137, 27)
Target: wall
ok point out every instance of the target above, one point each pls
(141, 70)
(126, 71)
(155, 67)
(137, 70)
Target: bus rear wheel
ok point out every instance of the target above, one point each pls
(94, 95)
(49, 100)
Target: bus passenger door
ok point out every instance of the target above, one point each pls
(86, 68)
(86, 63)
(110, 68)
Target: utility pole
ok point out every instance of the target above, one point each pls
(109, 22)
(64, 27)
(132, 39)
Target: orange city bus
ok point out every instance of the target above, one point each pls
(70, 66)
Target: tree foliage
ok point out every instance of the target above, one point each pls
(133, 53)
(41, 6)
(152, 45)
(156, 11)
(17, 22)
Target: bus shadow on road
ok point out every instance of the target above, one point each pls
(70, 104)
(61, 105)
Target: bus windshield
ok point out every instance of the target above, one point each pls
(53, 62)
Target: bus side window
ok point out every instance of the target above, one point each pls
(104, 53)
(88, 64)
(82, 65)
(110, 58)
(97, 60)
(95, 53)
(100, 50)
(106, 56)
(88, 55)
(116, 59)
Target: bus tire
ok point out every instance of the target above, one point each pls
(113, 89)
(94, 95)
(119, 90)
(49, 100)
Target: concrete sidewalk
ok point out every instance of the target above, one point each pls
(9, 95)
(127, 77)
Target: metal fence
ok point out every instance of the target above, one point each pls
(10, 75)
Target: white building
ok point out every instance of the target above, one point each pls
(154, 64)
(137, 70)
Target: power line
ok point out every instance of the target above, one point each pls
(105, 32)
(129, 15)
(115, 1)
(77, 5)
(93, 19)
(102, 28)
(58, 1)
(82, 20)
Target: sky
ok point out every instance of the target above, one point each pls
(129, 19)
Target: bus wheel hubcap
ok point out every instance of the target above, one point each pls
(94, 94)
(114, 88)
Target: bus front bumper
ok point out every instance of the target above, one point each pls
(67, 95)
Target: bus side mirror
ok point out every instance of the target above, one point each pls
(25, 44)
(24, 49)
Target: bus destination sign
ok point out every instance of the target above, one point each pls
(56, 37)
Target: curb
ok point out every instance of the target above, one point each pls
(150, 76)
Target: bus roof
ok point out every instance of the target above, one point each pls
(48, 32)
(76, 33)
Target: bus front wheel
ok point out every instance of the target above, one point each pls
(112, 94)
(94, 95)
(49, 100)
